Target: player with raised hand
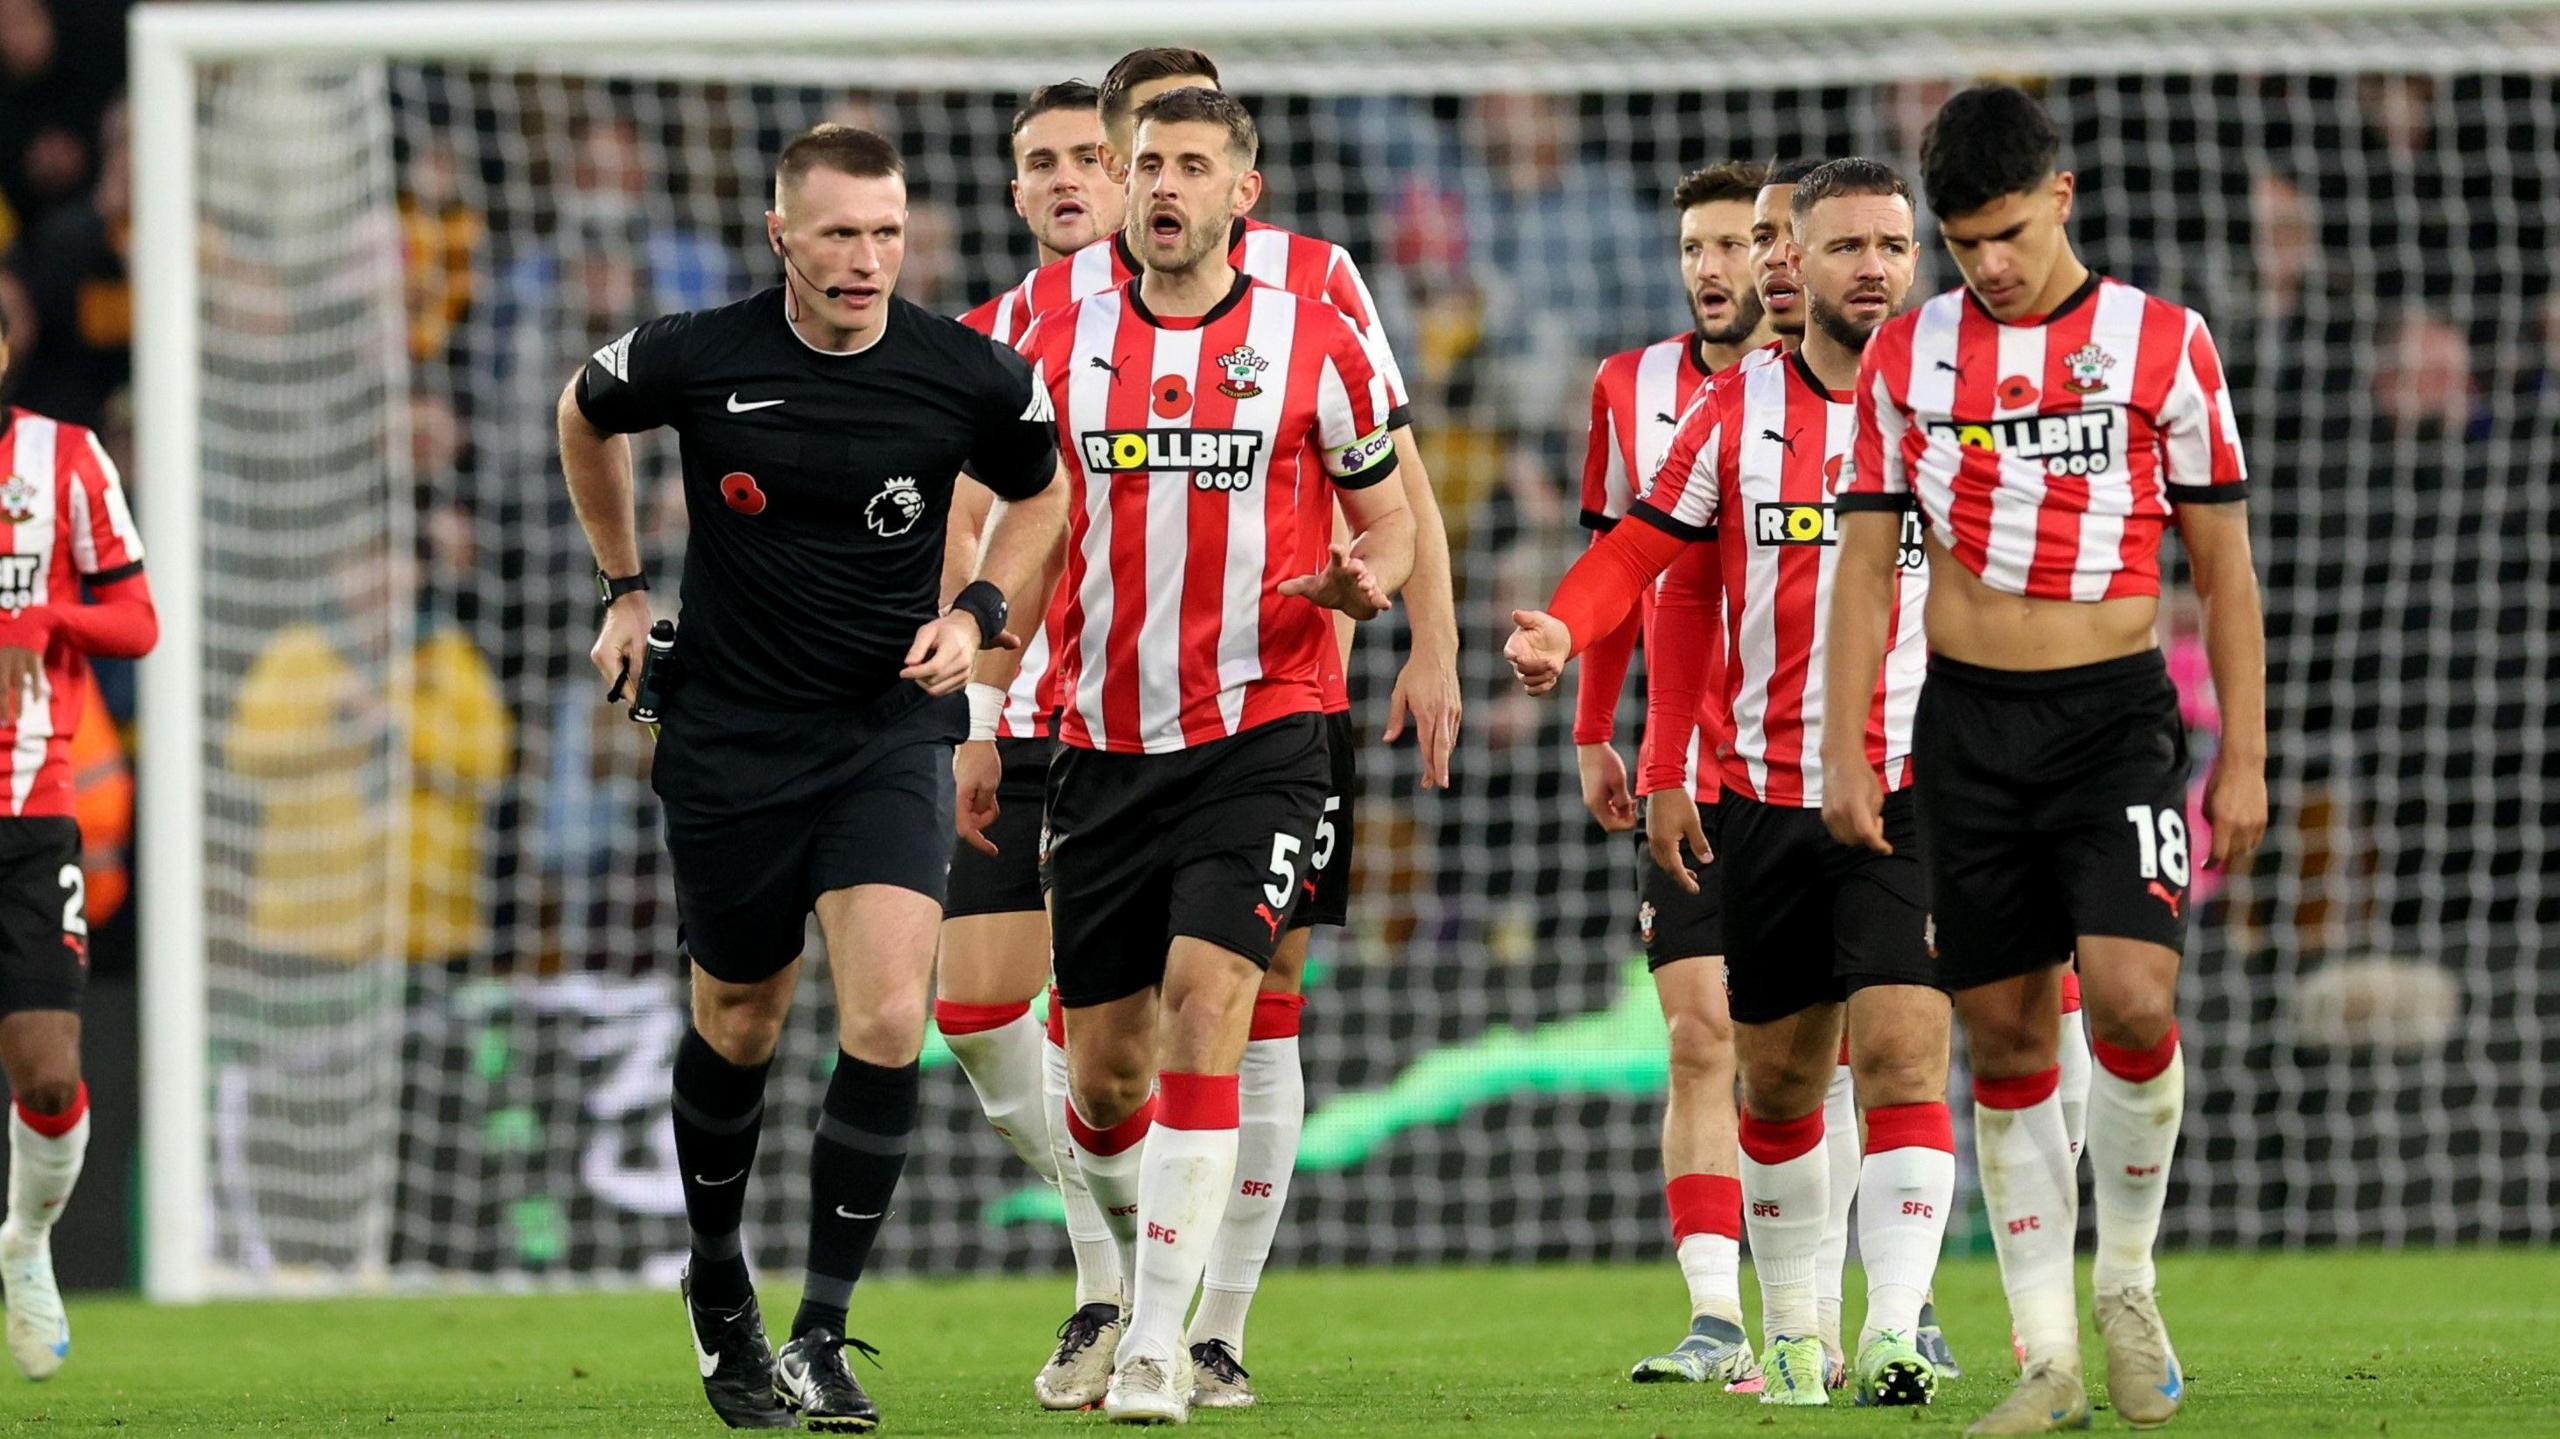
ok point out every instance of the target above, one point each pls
(2047, 424)
(69, 530)
(1426, 696)
(995, 930)
(810, 704)
(1207, 421)
(1752, 470)
(1636, 400)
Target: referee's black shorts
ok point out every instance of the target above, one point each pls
(765, 811)
(1008, 881)
(1210, 842)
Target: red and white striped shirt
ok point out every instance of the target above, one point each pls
(1199, 450)
(1315, 269)
(1758, 459)
(64, 511)
(2046, 454)
(1636, 400)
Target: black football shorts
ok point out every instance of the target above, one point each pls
(1325, 896)
(1674, 923)
(1212, 842)
(1809, 920)
(2052, 805)
(1008, 881)
(765, 811)
(44, 935)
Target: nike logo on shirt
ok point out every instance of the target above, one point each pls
(736, 408)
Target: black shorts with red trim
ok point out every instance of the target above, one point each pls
(1326, 897)
(1008, 881)
(2052, 805)
(44, 932)
(1210, 842)
(1809, 920)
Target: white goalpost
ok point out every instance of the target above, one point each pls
(408, 945)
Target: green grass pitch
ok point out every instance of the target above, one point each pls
(2460, 1343)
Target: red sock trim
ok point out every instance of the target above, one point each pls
(1057, 1019)
(1777, 1141)
(2070, 990)
(1275, 1016)
(1121, 1136)
(1704, 1204)
(1910, 1126)
(1196, 1101)
(54, 1126)
(2020, 1091)
(952, 1017)
(2137, 1066)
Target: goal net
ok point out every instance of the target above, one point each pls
(414, 983)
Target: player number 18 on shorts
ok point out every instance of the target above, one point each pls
(2161, 835)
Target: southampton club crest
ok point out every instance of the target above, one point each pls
(2088, 366)
(895, 510)
(1243, 370)
(18, 499)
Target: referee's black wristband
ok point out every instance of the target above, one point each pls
(985, 601)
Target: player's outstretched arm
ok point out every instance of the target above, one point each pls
(1427, 687)
(1594, 596)
(597, 467)
(1861, 610)
(2235, 644)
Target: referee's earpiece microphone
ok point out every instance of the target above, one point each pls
(832, 292)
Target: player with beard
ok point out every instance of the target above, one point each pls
(1204, 418)
(995, 930)
(2048, 424)
(1425, 698)
(1636, 401)
(1813, 929)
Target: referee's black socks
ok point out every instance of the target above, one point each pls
(853, 1169)
(719, 1111)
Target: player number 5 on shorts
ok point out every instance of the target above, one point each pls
(1284, 863)
(1324, 834)
(2162, 837)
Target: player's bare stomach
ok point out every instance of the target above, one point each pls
(1970, 621)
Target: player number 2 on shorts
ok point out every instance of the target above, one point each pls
(2162, 836)
(1284, 863)
(74, 911)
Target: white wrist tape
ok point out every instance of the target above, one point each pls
(986, 702)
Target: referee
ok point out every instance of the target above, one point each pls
(810, 705)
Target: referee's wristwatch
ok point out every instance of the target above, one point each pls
(610, 588)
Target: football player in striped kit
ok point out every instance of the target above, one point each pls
(1752, 471)
(68, 530)
(2048, 424)
(1636, 401)
(1209, 422)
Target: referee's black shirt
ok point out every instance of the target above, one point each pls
(818, 484)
